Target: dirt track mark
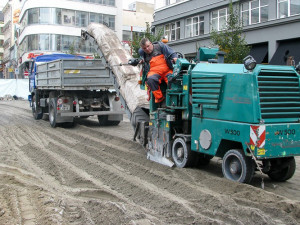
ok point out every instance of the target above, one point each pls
(81, 175)
(113, 170)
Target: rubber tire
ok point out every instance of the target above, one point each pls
(103, 121)
(37, 112)
(139, 115)
(246, 165)
(286, 173)
(53, 112)
(187, 158)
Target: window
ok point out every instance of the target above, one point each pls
(54, 42)
(253, 12)
(169, 2)
(44, 42)
(194, 26)
(97, 1)
(33, 42)
(58, 17)
(218, 19)
(24, 21)
(109, 21)
(33, 16)
(111, 2)
(67, 41)
(288, 8)
(68, 17)
(45, 15)
(167, 31)
(81, 19)
(96, 18)
(172, 31)
(175, 31)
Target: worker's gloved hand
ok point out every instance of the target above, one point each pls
(171, 79)
(134, 62)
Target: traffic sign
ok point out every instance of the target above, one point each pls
(26, 74)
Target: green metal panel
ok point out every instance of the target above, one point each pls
(230, 90)
(234, 131)
(207, 53)
(281, 140)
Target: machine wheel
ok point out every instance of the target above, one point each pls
(282, 169)
(103, 121)
(181, 153)
(37, 111)
(237, 167)
(53, 112)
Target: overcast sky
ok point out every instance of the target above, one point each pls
(2, 2)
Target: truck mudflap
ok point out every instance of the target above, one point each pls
(275, 140)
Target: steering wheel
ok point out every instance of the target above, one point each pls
(179, 54)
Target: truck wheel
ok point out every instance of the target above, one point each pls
(181, 153)
(237, 167)
(103, 121)
(282, 169)
(37, 111)
(52, 112)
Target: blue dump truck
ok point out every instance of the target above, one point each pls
(67, 86)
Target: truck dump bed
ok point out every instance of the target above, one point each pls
(72, 74)
(126, 76)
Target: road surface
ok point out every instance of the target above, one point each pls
(96, 175)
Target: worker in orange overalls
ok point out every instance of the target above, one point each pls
(159, 59)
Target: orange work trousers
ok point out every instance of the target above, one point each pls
(159, 71)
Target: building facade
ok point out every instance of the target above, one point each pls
(271, 27)
(1, 43)
(135, 19)
(8, 38)
(55, 26)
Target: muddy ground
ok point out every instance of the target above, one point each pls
(96, 175)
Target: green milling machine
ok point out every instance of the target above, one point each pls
(246, 114)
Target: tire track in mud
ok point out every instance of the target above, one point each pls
(23, 202)
(218, 202)
(94, 174)
(211, 194)
(74, 168)
(61, 148)
(50, 183)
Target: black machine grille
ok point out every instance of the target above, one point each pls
(279, 95)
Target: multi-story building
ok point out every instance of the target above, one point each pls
(135, 19)
(10, 64)
(55, 26)
(7, 33)
(271, 27)
(1, 43)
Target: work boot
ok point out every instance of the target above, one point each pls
(160, 100)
